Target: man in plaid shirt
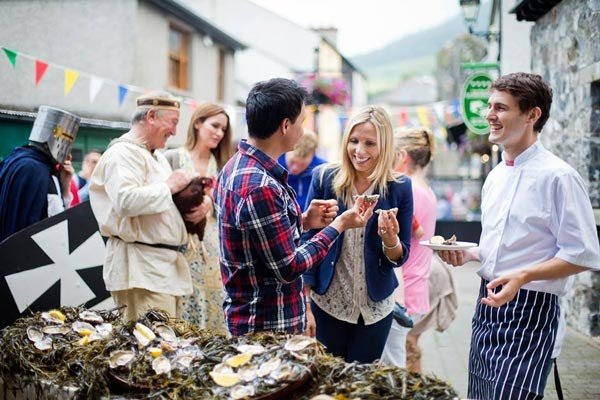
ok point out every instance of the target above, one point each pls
(260, 221)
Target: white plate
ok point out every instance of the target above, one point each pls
(457, 246)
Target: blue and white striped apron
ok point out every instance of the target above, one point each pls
(511, 346)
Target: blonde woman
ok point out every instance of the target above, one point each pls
(207, 149)
(352, 289)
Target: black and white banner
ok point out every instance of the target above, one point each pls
(56, 262)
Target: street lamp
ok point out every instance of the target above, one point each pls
(470, 9)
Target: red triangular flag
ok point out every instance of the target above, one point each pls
(40, 70)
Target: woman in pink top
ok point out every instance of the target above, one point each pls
(414, 148)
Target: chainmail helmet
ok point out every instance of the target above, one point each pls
(55, 131)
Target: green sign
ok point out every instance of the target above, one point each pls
(474, 99)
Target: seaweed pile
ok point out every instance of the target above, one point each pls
(159, 357)
(375, 381)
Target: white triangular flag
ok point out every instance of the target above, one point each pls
(95, 86)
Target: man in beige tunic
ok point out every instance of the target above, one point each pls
(131, 197)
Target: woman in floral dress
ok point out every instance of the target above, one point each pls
(207, 149)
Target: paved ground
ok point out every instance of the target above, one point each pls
(445, 354)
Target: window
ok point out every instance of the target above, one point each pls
(178, 58)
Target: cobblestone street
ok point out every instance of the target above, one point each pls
(446, 354)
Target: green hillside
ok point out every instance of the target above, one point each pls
(385, 77)
(410, 55)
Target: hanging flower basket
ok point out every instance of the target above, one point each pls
(327, 90)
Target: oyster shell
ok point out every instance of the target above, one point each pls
(222, 369)
(120, 358)
(165, 332)
(253, 349)
(44, 344)
(369, 198)
(56, 329)
(83, 328)
(183, 360)
(90, 316)
(35, 334)
(54, 317)
(242, 392)
(299, 356)
(269, 366)
(161, 365)
(104, 330)
(248, 373)
(391, 210)
(281, 373)
(298, 343)
(451, 240)
(143, 334)
(165, 346)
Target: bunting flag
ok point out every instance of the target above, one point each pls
(402, 117)
(95, 86)
(422, 115)
(70, 78)
(122, 93)
(40, 70)
(12, 56)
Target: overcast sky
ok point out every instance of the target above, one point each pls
(365, 25)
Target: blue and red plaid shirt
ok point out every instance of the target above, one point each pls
(260, 223)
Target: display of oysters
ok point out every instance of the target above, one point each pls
(100, 355)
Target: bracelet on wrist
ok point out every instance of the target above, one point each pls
(390, 247)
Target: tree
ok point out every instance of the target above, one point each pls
(450, 77)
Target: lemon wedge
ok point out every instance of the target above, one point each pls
(85, 332)
(437, 240)
(238, 360)
(225, 379)
(84, 341)
(155, 351)
(57, 314)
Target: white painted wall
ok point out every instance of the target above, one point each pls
(516, 42)
(96, 37)
(124, 41)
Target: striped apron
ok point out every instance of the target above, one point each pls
(511, 346)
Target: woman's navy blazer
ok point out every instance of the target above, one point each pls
(381, 279)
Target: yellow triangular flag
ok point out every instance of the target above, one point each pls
(70, 78)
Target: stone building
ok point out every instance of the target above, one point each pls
(565, 50)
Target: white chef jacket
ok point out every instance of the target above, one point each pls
(131, 201)
(534, 211)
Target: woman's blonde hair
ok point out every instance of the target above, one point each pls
(223, 151)
(383, 173)
(419, 143)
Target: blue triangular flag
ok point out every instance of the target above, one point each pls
(122, 93)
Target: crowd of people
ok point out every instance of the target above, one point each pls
(296, 244)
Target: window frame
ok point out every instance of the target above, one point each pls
(179, 59)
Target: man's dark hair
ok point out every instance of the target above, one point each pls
(530, 90)
(270, 102)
